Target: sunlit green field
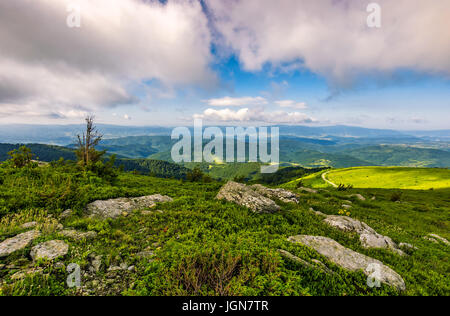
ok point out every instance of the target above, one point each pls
(391, 177)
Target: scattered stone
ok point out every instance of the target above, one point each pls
(430, 239)
(309, 190)
(442, 239)
(76, 235)
(67, 213)
(280, 194)
(29, 225)
(131, 268)
(114, 208)
(114, 268)
(49, 250)
(145, 254)
(346, 206)
(373, 198)
(368, 237)
(246, 196)
(18, 242)
(349, 259)
(358, 196)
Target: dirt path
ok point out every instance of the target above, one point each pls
(328, 181)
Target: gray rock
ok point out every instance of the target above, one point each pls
(317, 264)
(114, 208)
(67, 213)
(280, 194)
(29, 225)
(437, 237)
(346, 206)
(76, 235)
(349, 259)
(317, 212)
(95, 262)
(358, 196)
(246, 196)
(368, 237)
(18, 242)
(49, 250)
(309, 190)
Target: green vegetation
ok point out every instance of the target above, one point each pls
(392, 177)
(405, 156)
(203, 246)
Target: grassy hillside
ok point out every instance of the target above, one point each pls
(392, 177)
(197, 240)
(382, 177)
(383, 155)
(43, 152)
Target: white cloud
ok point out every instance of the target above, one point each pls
(331, 37)
(50, 69)
(291, 104)
(243, 101)
(254, 115)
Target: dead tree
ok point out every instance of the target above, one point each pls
(87, 141)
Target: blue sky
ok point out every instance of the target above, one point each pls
(252, 62)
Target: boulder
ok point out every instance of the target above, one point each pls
(280, 194)
(368, 237)
(349, 259)
(114, 208)
(49, 250)
(18, 242)
(246, 196)
(67, 213)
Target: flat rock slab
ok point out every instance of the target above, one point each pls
(368, 237)
(49, 250)
(247, 196)
(439, 238)
(114, 208)
(349, 259)
(18, 242)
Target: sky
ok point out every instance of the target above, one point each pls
(237, 62)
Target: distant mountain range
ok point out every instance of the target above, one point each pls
(66, 134)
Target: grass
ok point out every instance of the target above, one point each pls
(392, 177)
(204, 246)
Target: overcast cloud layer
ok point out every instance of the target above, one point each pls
(124, 46)
(331, 37)
(47, 68)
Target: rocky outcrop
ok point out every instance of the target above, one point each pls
(18, 242)
(280, 194)
(114, 208)
(368, 237)
(49, 250)
(349, 259)
(247, 196)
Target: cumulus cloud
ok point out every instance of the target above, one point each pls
(291, 104)
(331, 37)
(243, 101)
(57, 71)
(254, 115)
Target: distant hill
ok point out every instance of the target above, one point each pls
(387, 155)
(40, 151)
